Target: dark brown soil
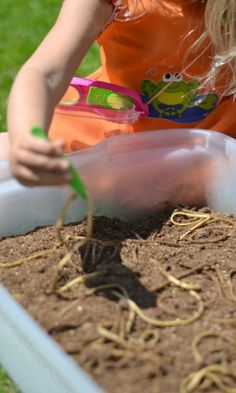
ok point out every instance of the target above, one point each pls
(140, 356)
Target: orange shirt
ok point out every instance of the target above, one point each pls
(149, 54)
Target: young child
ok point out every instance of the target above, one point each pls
(179, 54)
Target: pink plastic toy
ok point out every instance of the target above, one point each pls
(90, 98)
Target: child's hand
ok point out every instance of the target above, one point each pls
(39, 162)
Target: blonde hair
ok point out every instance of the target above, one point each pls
(220, 30)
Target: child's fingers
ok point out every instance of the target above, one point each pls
(39, 162)
(42, 162)
(31, 177)
(46, 147)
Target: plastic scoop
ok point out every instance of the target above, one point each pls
(76, 183)
(102, 100)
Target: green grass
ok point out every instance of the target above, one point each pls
(23, 25)
(6, 385)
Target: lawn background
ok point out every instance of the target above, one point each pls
(23, 24)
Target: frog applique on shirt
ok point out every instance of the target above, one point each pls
(178, 100)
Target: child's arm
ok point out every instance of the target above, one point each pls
(41, 83)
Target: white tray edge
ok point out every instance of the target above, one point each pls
(34, 361)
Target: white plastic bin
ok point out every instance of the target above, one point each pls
(34, 361)
(131, 175)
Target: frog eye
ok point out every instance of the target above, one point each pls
(167, 77)
(177, 77)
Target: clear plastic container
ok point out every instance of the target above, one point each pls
(129, 176)
(35, 362)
